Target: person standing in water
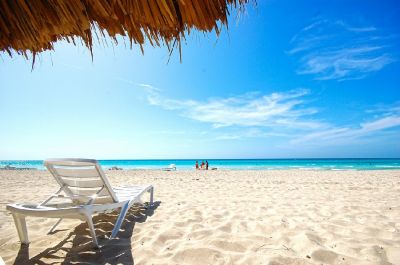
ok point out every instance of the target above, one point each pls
(206, 165)
(197, 165)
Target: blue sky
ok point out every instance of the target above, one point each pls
(287, 80)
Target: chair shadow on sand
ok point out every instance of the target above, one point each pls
(77, 247)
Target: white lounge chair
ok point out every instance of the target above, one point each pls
(171, 167)
(88, 191)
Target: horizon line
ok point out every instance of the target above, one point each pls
(166, 159)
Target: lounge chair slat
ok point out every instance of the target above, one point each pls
(76, 162)
(83, 183)
(88, 191)
(77, 173)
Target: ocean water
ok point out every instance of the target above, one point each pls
(235, 164)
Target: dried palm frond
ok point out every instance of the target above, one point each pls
(35, 25)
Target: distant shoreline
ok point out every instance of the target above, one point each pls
(230, 164)
(220, 170)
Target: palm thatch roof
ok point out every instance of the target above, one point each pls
(35, 25)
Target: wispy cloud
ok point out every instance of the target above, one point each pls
(336, 50)
(388, 119)
(362, 28)
(281, 115)
(385, 109)
(252, 109)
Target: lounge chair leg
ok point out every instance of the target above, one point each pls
(54, 226)
(20, 224)
(120, 220)
(91, 229)
(151, 195)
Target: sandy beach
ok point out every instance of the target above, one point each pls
(221, 217)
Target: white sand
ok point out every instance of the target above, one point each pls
(222, 217)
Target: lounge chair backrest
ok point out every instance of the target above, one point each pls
(81, 179)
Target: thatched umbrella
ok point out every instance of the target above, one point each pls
(35, 25)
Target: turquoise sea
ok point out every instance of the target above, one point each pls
(235, 164)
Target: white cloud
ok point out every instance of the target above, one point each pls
(252, 109)
(387, 110)
(282, 115)
(344, 63)
(380, 124)
(355, 29)
(336, 50)
(343, 134)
